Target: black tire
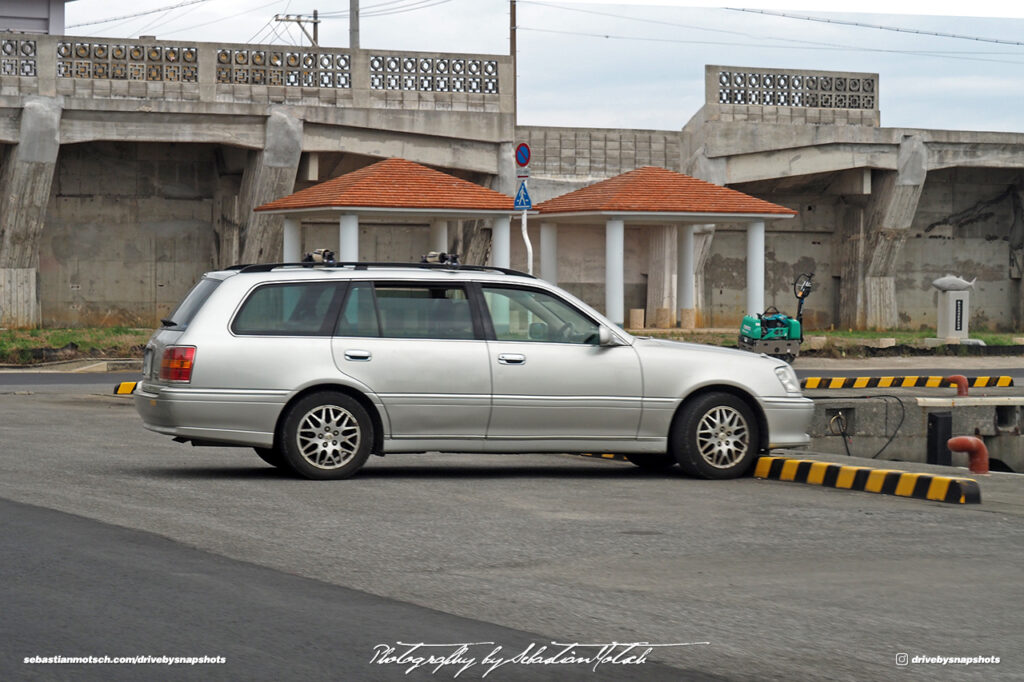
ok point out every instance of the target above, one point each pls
(652, 462)
(273, 457)
(715, 436)
(326, 435)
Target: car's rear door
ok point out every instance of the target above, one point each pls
(417, 346)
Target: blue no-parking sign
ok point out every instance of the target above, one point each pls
(523, 154)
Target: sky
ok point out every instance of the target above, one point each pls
(641, 64)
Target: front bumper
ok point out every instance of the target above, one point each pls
(788, 419)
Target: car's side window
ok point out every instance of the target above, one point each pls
(298, 309)
(532, 315)
(428, 311)
(359, 312)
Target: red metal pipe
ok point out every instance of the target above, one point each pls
(961, 383)
(975, 448)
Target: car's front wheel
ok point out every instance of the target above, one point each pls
(326, 435)
(715, 436)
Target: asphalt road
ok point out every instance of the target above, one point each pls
(75, 587)
(783, 581)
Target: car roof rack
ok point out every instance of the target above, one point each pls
(267, 267)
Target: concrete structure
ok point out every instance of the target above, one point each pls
(33, 16)
(131, 166)
(882, 211)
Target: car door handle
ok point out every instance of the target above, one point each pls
(512, 358)
(358, 355)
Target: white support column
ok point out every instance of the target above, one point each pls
(439, 235)
(755, 267)
(500, 242)
(684, 277)
(348, 238)
(292, 240)
(549, 252)
(614, 270)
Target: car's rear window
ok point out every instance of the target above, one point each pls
(193, 301)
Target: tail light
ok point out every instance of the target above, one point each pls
(177, 362)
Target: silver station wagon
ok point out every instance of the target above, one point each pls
(317, 366)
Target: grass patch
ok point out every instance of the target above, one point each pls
(26, 346)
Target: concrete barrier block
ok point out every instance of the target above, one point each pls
(1018, 340)
(815, 342)
(636, 318)
(884, 342)
(663, 318)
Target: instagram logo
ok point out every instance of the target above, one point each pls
(902, 659)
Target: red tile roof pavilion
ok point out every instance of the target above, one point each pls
(657, 191)
(397, 186)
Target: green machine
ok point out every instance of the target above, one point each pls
(775, 333)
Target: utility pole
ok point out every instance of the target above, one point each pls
(512, 49)
(302, 21)
(353, 24)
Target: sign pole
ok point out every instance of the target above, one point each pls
(522, 201)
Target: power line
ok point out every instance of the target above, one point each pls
(880, 27)
(662, 22)
(216, 21)
(138, 14)
(837, 48)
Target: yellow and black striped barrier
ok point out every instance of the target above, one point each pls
(125, 388)
(868, 479)
(903, 382)
(606, 455)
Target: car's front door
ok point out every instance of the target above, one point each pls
(551, 378)
(417, 347)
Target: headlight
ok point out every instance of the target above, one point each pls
(787, 377)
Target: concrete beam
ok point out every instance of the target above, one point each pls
(270, 175)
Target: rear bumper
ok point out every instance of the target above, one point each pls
(227, 416)
(788, 419)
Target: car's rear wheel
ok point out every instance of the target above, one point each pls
(716, 436)
(272, 456)
(652, 462)
(326, 435)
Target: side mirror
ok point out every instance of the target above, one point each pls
(606, 338)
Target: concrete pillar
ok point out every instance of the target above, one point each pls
(501, 249)
(439, 235)
(292, 240)
(869, 268)
(25, 184)
(270, 174)
(549, 252)
(615, 270)
(755, 267)
(348, 238)
(684, 278)
(661, 274)
(703, 237)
